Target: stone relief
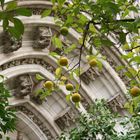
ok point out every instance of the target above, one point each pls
(9, 44)
(43, 37)
(116, 103)
(66, 120)
(24, 86)
(36, 120)
(90, 75)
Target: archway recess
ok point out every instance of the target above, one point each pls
(46, 120)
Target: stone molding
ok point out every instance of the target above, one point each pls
(36, 120)
(26, 126)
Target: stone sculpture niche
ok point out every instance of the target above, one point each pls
(10, 44)
(24, 86)
(42, 38)
(66, 119)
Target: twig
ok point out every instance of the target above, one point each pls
(130, 50)
(81, 48)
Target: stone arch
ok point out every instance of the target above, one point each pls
(106, 84)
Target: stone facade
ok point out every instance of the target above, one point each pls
(94, 81)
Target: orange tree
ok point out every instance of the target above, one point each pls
(110, 23)
(98, 22)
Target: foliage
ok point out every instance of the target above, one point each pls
(100, 121)
(99, 22)
(10, 22)
(7, 116)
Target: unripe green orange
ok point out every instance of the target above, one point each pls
(63, 61)
(64, 31)
(76, 97)
(135, 91)
(69, 87)
(49, 85)
(93, 62)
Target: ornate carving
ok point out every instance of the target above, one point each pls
(43, 39)
(28, 61)
(66, 120)
(37, 11)
(10, 44)
(24, 86)
(117, 102)
(89, 75)
(36, 120)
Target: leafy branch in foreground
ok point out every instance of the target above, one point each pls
(7, 116)
(100, 124)
(10, 22)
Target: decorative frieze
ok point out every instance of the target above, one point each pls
(116, 103)
(10, 44)
(90, 75)
(42, 37)
(24, 61)
(34, 117)
(37, 11)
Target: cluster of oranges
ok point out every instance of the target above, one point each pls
(63, 61)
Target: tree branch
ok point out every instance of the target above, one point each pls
(130, 50)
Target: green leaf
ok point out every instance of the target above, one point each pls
(11, 5)
(23, 12)
(70, 49)
(2, 3)
(135, 59)
(5, 23)
(100, 65)
(57, 42)
(18, 25)
(54, 54)
(77, 105)
(14, 32)
(1, 78)
(46, 13)
(53, 1)
(60, 3)
(68, 97)
(127, 56)
(127, 105)
(39, 77)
